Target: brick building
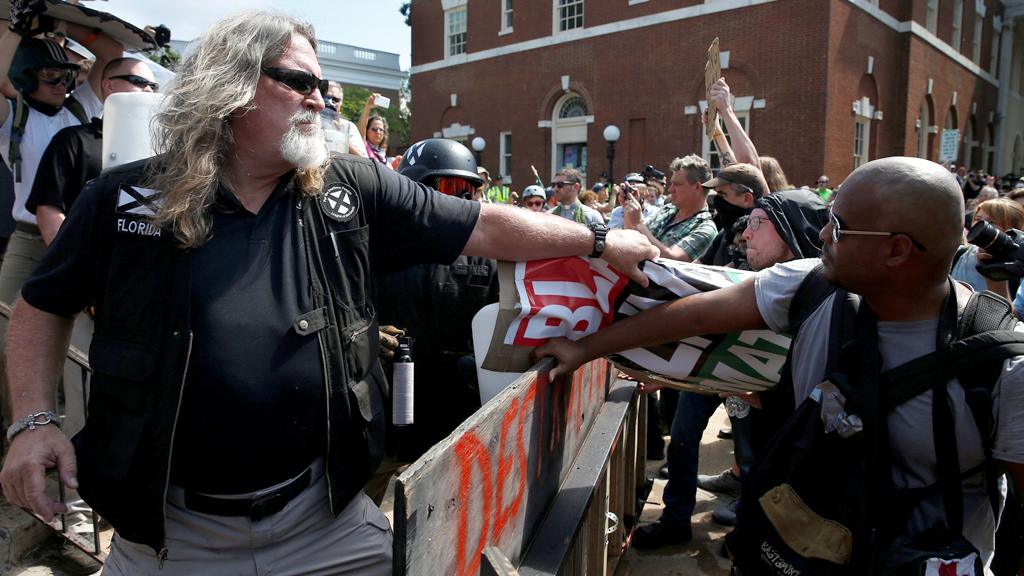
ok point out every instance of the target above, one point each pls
(822, 85)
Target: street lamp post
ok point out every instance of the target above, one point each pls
(611, 136)
(478, 145)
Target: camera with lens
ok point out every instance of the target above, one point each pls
(652, 173)
(1006, 248)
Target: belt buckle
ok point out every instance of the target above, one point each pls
(265, 506)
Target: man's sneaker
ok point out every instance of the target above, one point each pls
(724, 483)
(660, 534)
(726, 515)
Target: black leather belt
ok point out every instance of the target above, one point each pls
(27, 228)
(255, 508)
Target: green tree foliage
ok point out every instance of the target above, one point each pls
(167, 57)
(406, 10)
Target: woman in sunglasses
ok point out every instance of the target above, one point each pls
(374, 129)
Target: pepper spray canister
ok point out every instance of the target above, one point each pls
(402, 385)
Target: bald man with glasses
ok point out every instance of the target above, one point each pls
(898, 262)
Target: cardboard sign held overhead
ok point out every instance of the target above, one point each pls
(130, 36)
(712, 72)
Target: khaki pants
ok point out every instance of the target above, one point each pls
(303, 538)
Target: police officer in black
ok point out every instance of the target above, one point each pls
(237, 401)
(435, 304)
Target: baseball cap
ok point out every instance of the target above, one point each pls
(534, 190)
(634, 178)
(598, 187)
(483, 172)
(744, 174)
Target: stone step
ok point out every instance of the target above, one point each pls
(20, 534)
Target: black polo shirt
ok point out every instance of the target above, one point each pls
(253, 406)
(73, 158)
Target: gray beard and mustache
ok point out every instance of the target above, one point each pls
(304, 147)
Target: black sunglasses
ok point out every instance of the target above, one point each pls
(563, 183)
(137, 81)
(299, 80)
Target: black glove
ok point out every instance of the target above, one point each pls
(389, 336)
(25, 13)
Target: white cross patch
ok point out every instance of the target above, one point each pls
(340, 203)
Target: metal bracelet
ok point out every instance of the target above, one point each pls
(31, 422)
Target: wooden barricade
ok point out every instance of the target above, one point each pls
(526, 485)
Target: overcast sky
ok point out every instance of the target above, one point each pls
(375, 24)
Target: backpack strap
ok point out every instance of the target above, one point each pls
(18, 128)
(17, 132)
(960, 251)
(984, 340)
(813, 290)
(777, 405)
(76, 109)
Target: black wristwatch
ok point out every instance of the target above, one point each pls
(600, 232)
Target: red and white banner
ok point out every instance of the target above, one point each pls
(574, 297)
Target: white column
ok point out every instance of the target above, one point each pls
(1005, 61)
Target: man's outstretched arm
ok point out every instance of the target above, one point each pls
(509, 233)
(37, 342)
(729, 309)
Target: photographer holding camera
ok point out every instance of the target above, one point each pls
(633, 185)
(993, 256)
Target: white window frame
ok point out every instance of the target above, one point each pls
(861, 136)
(708, 150)
(557, 6)
(923, 129)
(507, 17)
(931, 19)
(448, 44)
(958, 24)
(505, 156)
(979, 23)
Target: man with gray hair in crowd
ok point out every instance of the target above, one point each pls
(683, 228)
(237, 400)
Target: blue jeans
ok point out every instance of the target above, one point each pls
(691, 418)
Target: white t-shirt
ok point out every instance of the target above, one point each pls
(910, 425)
(39, 130)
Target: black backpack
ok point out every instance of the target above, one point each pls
(822, 503)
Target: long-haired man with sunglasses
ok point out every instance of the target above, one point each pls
(237, 400)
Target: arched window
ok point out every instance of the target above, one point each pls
(569, 122)
(572, 107)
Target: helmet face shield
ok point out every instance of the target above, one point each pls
(57, 76)
(454, 186)
(36, 57)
